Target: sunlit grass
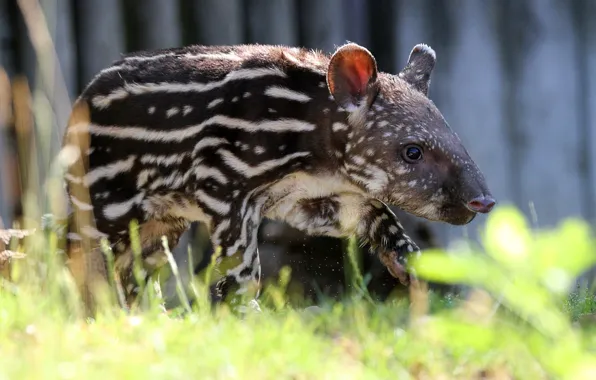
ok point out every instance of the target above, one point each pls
(530, 333)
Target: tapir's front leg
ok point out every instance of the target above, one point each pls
(344, 215)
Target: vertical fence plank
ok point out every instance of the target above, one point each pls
(160, 24)
(6, 38)
(63, 82)
(586, 55)
(409, 28)
(322, 28)
(548, 88)
(7, 66)
(472, 99)
(356, 16)
(272, 22)
(220, 22)
(59, 18)
(101, 38)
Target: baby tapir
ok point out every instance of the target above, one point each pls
(229, 135)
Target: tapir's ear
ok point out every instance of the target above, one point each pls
(420, 67)
(351, 73)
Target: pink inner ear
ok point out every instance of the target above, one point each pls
(357, 75)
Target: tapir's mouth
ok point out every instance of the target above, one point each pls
(457, 215)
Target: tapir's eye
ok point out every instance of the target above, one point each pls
(412, 153)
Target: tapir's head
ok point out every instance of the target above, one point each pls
(400, 148)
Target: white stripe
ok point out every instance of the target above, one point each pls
(216, 205)
(103, 101)
(250, 171)
(92, 232)
(173, 181)
(149, 58)
(126, 66)
(143, 177)
(221, 227)
(108, 171)
(163, 160)
(80, 204)
(178, 135)
(72, 179)
(202, 172)
(73, 236)
(208, 142)
(116, 210)
(286, 93)
(223, 56)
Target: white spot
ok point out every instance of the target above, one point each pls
(214, 102)
(246, 95)
(259, 149)
(358, 160)
(235, 99)
(187, 109)
(151, 110)
(172, 111)
(337, 126)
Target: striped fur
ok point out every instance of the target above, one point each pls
(229, 135)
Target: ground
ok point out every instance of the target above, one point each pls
(523, 318)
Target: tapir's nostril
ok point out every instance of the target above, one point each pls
(481, 204)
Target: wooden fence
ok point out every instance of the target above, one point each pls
(516, 79)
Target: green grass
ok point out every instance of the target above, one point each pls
(518, 320)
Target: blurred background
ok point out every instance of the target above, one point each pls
(516, 79)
